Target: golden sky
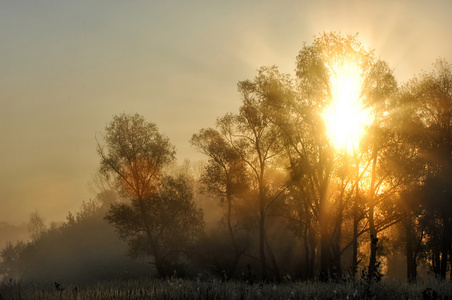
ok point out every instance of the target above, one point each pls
(67, 66)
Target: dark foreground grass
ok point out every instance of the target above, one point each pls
(214, 289)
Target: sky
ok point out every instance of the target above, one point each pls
(66, 67)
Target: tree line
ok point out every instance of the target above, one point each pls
(292, 203)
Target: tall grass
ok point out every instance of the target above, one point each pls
(216, 289)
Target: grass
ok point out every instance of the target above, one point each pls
(215, 289)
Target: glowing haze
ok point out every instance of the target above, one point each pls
(66, 67)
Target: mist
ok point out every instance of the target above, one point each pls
(67, 68)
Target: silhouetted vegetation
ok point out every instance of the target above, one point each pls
(288, 203)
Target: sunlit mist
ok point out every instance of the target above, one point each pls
(346, 118)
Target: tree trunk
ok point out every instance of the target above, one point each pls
(445, 247)
(237, 253)
(336, 255)
(444, 256)
(161, 271)
(263, 257)
(312, 262)
(306, 252)
(275, 268)
(355, 224)
(436, 261)
(450, 261)
(373, 246)
(372, 230)
(325, 256)
(310, 251)
(411, 263)
(355, 239)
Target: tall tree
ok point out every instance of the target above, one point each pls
(311, 150)
(379, 90)
(410, 161)
(224, 176)
(134, 153)
(432, 93)
(161, 220)
(256, 140)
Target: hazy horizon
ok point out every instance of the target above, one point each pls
(68, 67)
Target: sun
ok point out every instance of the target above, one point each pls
(346, 118)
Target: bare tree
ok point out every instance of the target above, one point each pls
(36, 225)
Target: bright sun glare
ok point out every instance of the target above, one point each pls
(345, 117)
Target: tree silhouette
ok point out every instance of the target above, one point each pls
(431, 95)
(162, 225)
(134, 153)
(311, 151)
(253, 142)
(161, 220)
(225, 176)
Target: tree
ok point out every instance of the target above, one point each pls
(135, 154)
(161, 219)
(11, 266)
(381, 145)
(162, 225)
(313, 157)
(408, 159)
(431, 94)
(225, 177)
(36, 225)
(330, 179)
(254, 141)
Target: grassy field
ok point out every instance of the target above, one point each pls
(215, 289)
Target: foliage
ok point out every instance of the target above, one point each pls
(134, 154)
(11, 265)
(162, 225)
(429, 100)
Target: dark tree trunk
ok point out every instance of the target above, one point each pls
(263, 257)
(274, 264)
(411, 262)
(325, 256)
(444, 257)
(372, 269)
(355, 239)
(373, 252)
(436, 261)
(161, 266)
(325, 238)
(356, 220)
(312, 262)
(310, 252)
(262, 254)
(450, 262)
(336, 254)
(306, 252)
(336, 265)
(237, 252)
